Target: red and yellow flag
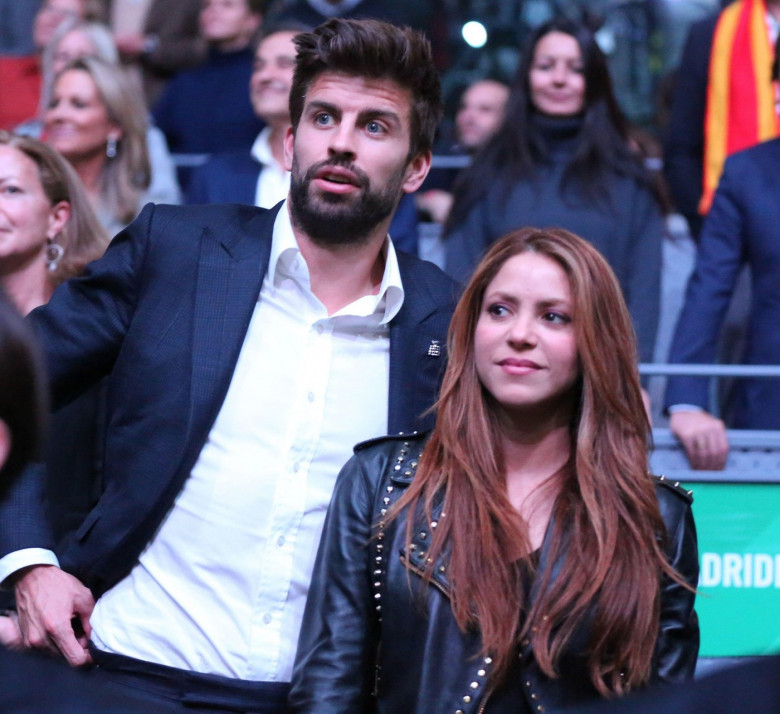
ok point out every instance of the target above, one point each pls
(740, 96)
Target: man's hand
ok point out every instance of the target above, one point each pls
(10, 634)
(54, 610)
(703, 437)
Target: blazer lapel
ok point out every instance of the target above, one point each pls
(417, 351)
(231, 270)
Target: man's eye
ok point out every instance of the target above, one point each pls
(322, 119)
(374, 127)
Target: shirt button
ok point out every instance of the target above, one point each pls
(267, 618)
(280, 541)
(310, 396)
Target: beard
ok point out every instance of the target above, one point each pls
(331, 219)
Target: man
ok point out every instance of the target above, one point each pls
(481, 112)
(722, 101)
(206, 109)
(157, 38)
(742, 228)
(259, 177)
(246, 352)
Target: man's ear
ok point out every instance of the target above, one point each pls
(416, 171)
(289, 145)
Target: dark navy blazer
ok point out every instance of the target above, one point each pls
(743, 226)
(231, 177)
(163, 315)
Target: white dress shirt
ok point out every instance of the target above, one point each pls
(273, 183)
(222, 586)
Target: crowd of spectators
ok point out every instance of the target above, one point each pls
(110, 105)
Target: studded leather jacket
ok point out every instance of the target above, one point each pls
(376, 639)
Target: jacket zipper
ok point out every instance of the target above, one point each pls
(484, 702)
(417, 570)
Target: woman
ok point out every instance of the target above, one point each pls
(96, 119)
(48, 233)
(542, 566)
(48, 230)
(562, 158)
(72, 40)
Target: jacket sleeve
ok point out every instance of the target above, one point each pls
(684, 141)
(335, 662)
(678, 636)
(720, 255)
(642, 284)
(83, 326)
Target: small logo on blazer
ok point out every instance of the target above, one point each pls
(434, 349)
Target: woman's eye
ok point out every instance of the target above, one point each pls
(10, 188)
(497, 310)
(558, 318)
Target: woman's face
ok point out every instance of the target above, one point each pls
(556, 78)
(525, 349)
(27, 217)
(74, 45)
(77, 123)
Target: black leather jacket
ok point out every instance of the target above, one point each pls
(375, 639)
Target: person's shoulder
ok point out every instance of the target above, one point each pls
(670, 489)
(424, 275)
(395, 455)
(214, 217)
(758, 155)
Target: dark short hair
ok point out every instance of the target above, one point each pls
(22, 392)
(377, 50)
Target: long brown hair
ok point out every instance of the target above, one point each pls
(605, 519)
(83, 238)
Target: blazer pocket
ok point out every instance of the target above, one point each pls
(89, 522)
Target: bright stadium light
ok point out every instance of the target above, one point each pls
(474, 33)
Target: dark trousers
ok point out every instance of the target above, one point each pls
(182, 690)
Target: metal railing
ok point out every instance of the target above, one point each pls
(754, 455)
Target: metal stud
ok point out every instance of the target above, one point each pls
(474, 685)
(467, 698)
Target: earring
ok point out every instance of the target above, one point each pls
(111, 146)
(54, 253)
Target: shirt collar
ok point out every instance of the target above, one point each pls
(286, 261)
(261, 149)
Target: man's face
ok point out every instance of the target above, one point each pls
(480, 114)
(227, 23)
(349, 157)
(272, 76)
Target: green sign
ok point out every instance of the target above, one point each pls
(738, 527)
